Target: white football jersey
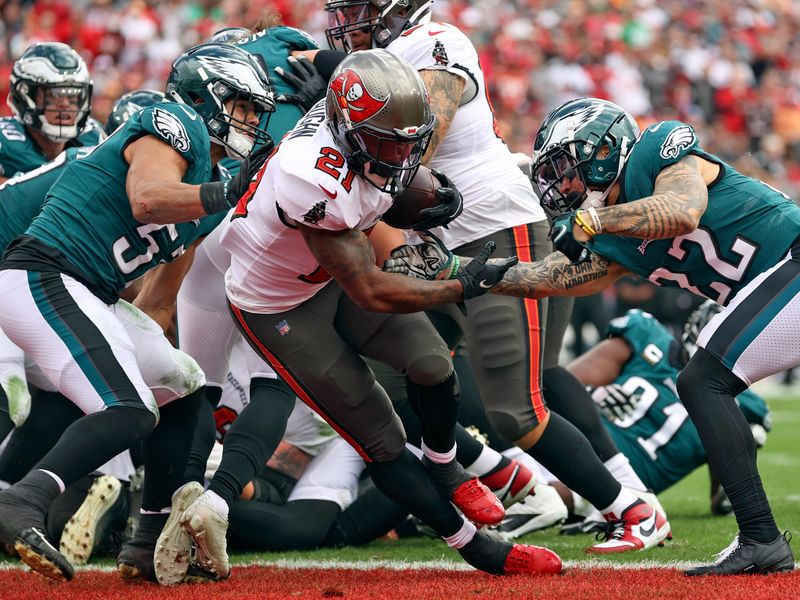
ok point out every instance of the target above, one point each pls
(305, 181)
(497, 195)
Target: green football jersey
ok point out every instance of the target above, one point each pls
(87, 216)
(747, 227)
(20, 154)
(659, 439)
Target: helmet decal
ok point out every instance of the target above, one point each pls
(237, 72)
(354, 99)
(574, 123)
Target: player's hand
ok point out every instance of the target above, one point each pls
(563, 238)
(309, 85)
(479, 276)
(451, 204)
(614, 402)
(428, 260)
(217, 196)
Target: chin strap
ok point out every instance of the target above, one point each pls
(595, 199)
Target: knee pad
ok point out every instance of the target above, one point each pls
(430, 369)
(498, 342)
(390, 441)
(508, 425)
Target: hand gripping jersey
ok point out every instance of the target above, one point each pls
(87, 217)
(305, 181)
(659, 439)
(497, 195)
(747, 227)
(20, 154)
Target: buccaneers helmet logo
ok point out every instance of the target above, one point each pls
(354, 99)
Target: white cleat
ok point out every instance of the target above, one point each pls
(539, 510)
(638, 528)
(80, 532)
(174, 546)
(208, 529)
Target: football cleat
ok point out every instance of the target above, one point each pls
(511, 484)
(531, 560)
(174, 546)
(105, 503)
(478, 503)
(135, 559)
(539, 510)
(208, 529)
(745, 556)
(639, 527)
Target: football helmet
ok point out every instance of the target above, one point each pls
(129, 104)
(379, 113)
(50, 77)
(696, 322)
(385, 20)
(209, 75)
(229, 35)
(581, 147)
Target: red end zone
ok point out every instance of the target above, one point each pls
(378, 584)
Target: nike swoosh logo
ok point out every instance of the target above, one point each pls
(190, 114)
(331, 195)
(433, 33)
(485, 285)
(648, 532)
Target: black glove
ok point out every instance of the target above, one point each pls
(450, 205)
(478, 277)
(310, 85)
(565, 242)
(222, 195)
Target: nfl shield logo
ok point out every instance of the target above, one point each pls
(283, 327)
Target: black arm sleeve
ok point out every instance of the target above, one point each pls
(326, 61)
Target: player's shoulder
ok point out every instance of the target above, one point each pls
(297, 39)
(637, 326)
(665, 141)
(91, 134)
(177, 124)
(440, 44)
(12, 135)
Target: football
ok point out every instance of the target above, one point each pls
(420, 194)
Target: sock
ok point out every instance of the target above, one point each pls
(166, 450)
(620, 467)
(39, 488)
(437, 409)
(219, 504)
(372, 515)
(204, 436)
(463, 536)
(447, 472)
(487, 463)
(565, 452)
(253, 437)
(623, 500)
(406, 481)
(468, 448)
(95, 439)
(567, 396)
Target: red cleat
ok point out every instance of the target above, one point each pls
(531, 560)
(478, 503)
(511, 484)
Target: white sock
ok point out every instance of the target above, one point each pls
(623, 501)
(487, 460)
(58, 480)
(218, 503)
(441, 458)
(620, 467)
(463, 536)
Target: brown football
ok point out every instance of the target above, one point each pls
(418, 195)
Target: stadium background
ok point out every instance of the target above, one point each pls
(729, 67)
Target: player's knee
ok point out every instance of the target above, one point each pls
(498, 341)
(390, 441)
(509, 426)
(140, 419)
(430, 369)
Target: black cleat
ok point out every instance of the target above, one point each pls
(135, 560)
(40, 555)
(744, 556)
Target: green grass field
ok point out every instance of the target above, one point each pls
(697, 534)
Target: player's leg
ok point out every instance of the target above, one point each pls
(755, 336)
(15, 399)
(84, 350)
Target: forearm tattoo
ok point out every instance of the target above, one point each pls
(679, 199)
(445, 90)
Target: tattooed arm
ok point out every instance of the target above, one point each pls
(445, 90)
(348, 257)
(555, 275)
(679, 199)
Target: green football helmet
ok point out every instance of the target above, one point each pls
(51, 76)
(696, 322)
(129, 104)
(583, 143)
(209, 75)
(388, 19)
(229, 35)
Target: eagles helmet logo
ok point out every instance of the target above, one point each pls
(171, 129)
(355, 101)
(678, 139)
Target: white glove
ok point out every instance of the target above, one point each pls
(428, 260)
(614, 402)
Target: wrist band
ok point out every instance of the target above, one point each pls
(598, 227)
(213, 197)
(587, 229)
(456, 262)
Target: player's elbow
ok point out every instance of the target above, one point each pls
(144, 206)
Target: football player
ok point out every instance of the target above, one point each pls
(658, 205)
(50, 96)
(142, 197)
(504, 336)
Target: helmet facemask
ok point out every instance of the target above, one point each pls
(696, 322)
(383, 20)
(235, 134)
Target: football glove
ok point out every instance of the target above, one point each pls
(309, 85)
(217, 196)
(450, 205)
(564, 241)
(614, 402)
(479, 276)
(428, 260)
